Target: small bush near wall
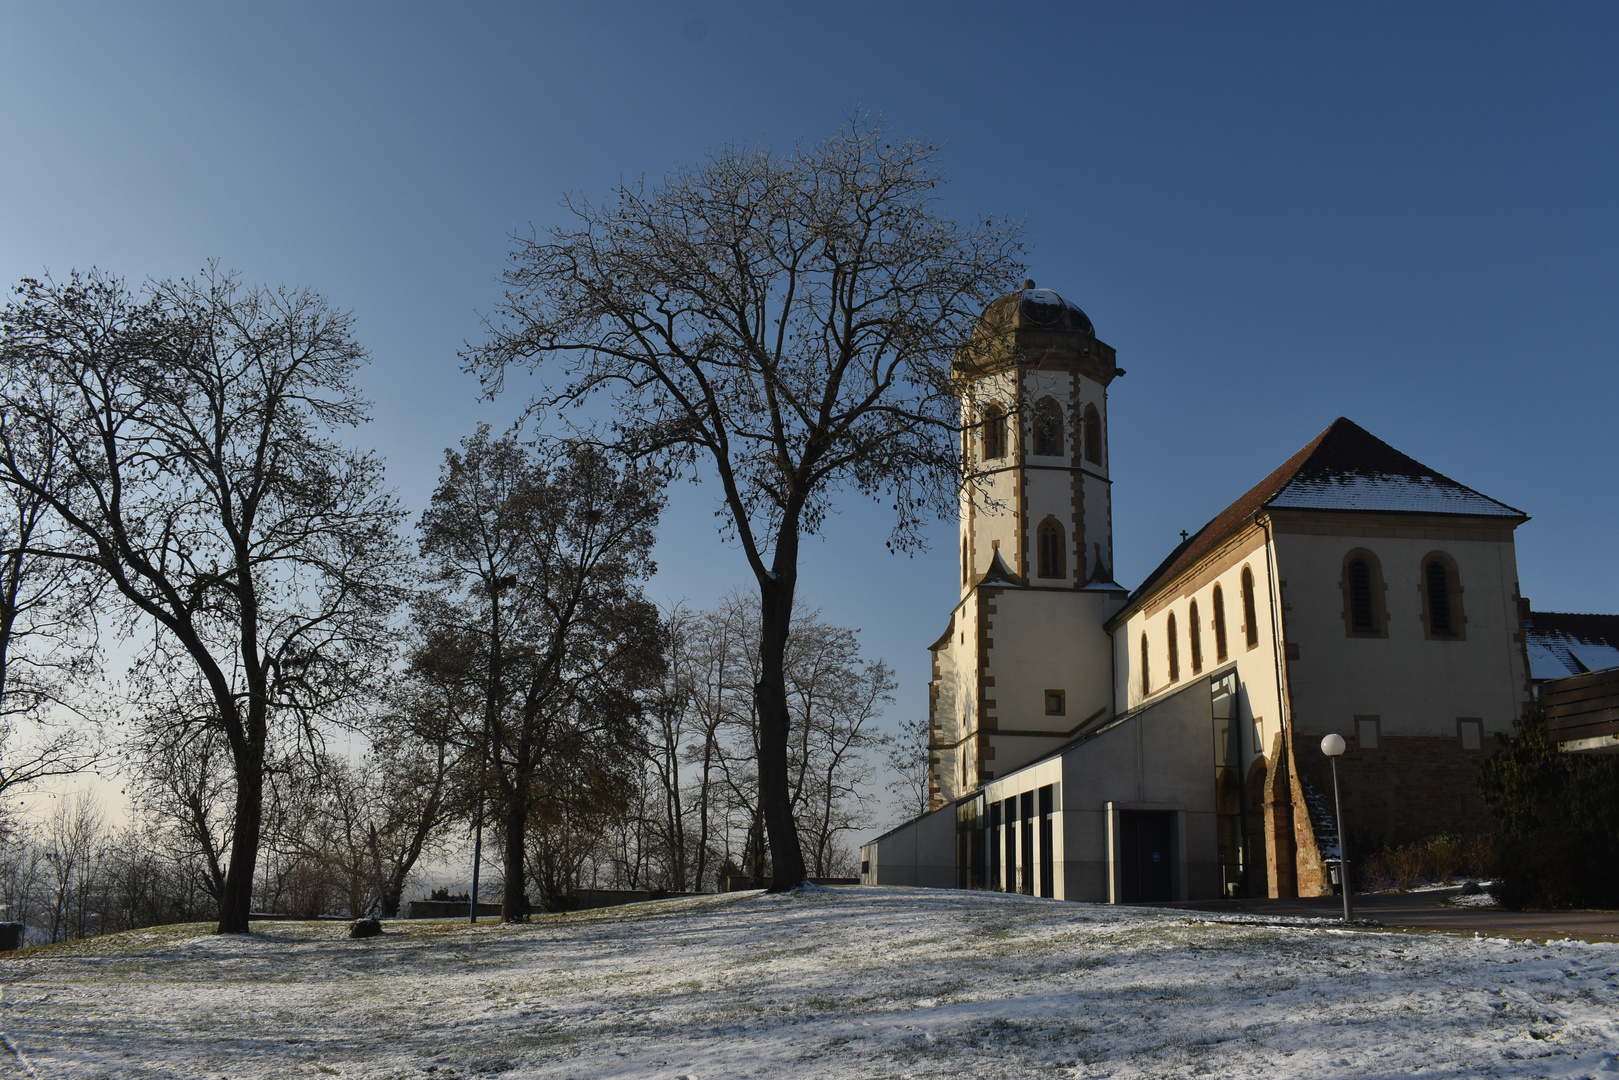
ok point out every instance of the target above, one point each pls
(1438, 860)
(1557, 816)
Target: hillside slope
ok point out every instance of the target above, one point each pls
(832, 983)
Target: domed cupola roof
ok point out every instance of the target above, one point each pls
(1037, 309)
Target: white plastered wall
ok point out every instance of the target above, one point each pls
(1415, 684)
(1260, 694)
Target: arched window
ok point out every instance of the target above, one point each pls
(1219, 626)
(1360, 597)
(1093, 435)
(1250, 617)
(1442, 597)
(1363, 595)
(994, 432)
(1048, 428)
(1051, 562)
(1194, 635)
(1174, 649)
(1438, 599)
(1146, 672)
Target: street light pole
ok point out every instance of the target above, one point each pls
(1333, 746)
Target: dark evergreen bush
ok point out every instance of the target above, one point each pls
(1557, 818)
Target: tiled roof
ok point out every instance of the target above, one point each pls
(1345, 468)
(1563, 643)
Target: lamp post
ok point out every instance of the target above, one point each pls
(1333, 746)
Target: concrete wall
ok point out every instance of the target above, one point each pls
(920, 852)
(1160, 758)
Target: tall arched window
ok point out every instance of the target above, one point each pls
(1048, 428)
(1194, 636)
(1051, 562)
(1439, 599)
(1093, 435)
(1219, 626)
(1174, 649)
(1442, 596)
(1250, 616)
(1146, 671)
(1360, 597)
(1364, 611)
(994, 432)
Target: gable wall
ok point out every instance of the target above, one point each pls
(1419, 779)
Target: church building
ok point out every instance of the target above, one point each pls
(1095, 743)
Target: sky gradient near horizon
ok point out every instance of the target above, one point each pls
(1278, 214)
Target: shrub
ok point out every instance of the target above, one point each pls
(1558, 819)
(1438, 859)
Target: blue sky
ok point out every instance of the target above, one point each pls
(1278, 214)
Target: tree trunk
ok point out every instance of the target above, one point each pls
(513, 899)
(770, 695)
(236, 900)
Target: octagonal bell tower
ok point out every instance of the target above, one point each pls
(1034, 415)
(1025, 664)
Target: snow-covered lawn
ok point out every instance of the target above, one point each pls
(836, 983)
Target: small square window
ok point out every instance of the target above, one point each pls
(1472, 733)
(1055, 703)
(1367, 730)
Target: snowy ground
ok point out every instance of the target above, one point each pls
(832, 983)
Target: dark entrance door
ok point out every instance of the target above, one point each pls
(1146, 842)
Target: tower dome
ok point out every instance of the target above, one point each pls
(1031, 308)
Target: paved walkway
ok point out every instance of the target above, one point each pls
(1427, 911)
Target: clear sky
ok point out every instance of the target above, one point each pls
(1278, 214)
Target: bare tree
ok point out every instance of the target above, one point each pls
(194, 429)
(71, 839)
(47, 630)
(669, 710)
(413, 770)
(836, 697)
(907, 757)
(544, 560)
(788, 321)
(184, 785)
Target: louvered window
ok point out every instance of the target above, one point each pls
(1093, 435)
(994, 433)
(1360, 597)
(1048, 429)
(1051, 550)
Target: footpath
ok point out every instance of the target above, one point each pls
(1429, 911)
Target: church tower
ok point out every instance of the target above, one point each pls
(1036, 558)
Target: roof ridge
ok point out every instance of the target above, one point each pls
(1345, 468)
